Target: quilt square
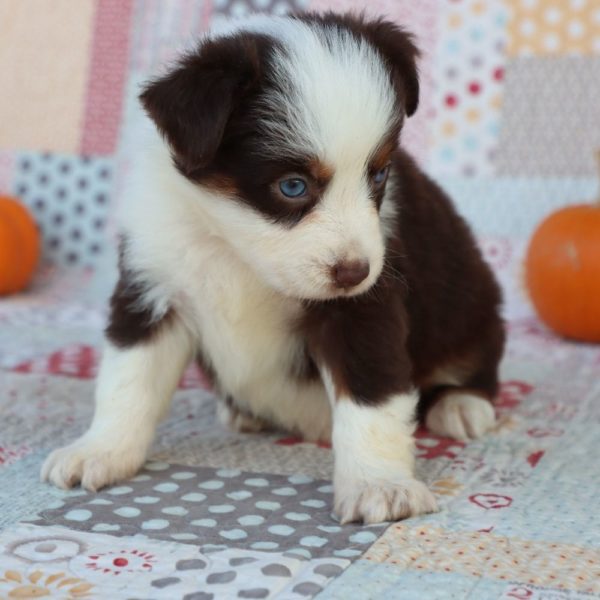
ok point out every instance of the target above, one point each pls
(220, 508)
(548, 106)
(69, 197)
(44, 59)
(468, 71)
(554, 27)
(54, 562)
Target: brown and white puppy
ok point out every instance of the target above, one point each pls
(275, 231)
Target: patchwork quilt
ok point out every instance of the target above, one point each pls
(508, 124)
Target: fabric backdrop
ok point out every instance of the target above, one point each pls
(508, 124)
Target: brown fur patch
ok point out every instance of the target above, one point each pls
(193, 104)
(360, 342)
(454, 373)
(131, 322)
(321, 172)
(383, 155)
(221, 184)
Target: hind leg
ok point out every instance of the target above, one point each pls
(240, 421)
(458, 402)
(461, 414)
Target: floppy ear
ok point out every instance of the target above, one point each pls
(192, 104)
(399, 49)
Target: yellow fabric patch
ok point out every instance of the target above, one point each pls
(44, 55)
(551, 27)
(487, 555)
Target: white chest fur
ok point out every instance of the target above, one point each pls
(246, 332)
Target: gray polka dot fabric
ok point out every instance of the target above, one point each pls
(222, 508)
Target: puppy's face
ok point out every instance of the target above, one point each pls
(290, 126)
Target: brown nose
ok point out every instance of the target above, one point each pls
(349, 274)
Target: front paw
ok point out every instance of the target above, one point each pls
(378, 501)
(94, 463)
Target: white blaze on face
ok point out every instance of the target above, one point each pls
(339, 105)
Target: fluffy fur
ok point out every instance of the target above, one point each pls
(342, 314)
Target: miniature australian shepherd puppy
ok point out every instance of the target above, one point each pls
(276, 232)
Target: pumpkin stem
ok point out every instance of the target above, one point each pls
(598, 159)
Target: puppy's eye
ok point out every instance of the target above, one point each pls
(379, 177)
(295, 187)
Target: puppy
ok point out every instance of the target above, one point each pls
(276, 231)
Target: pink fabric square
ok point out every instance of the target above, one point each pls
(163, 29)
(107, 76)
(44, 65)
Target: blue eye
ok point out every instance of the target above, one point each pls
(380, 176)
(293, 187)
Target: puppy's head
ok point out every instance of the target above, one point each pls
(289, 125)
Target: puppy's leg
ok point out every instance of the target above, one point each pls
(460, 413)
(458, 403)
(133, 392)
(360, 351)
(374, 463)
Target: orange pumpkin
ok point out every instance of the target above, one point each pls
(19, 245)
(563, 271)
